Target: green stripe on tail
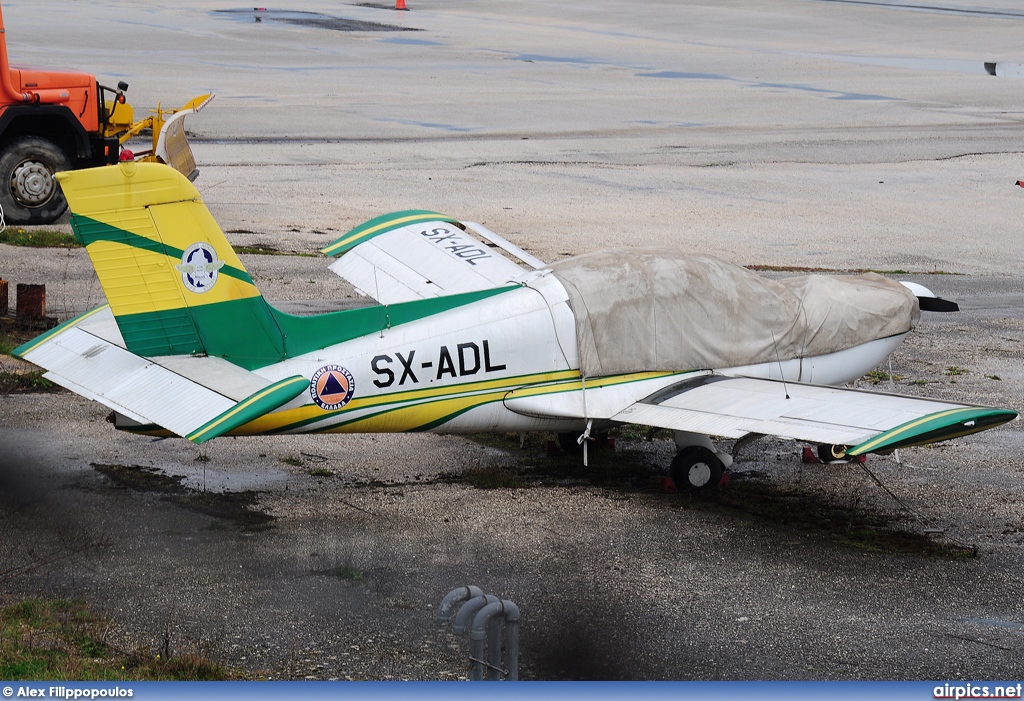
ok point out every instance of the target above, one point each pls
(381, 225)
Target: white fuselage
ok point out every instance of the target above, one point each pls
(456, 371)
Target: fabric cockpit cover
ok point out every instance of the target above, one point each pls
(663, 310)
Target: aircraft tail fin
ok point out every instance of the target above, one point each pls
(174, 284)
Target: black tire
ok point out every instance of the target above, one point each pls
(828, 453)
(696, 469)
(28, 192)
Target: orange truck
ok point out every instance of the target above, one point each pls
(54, 120)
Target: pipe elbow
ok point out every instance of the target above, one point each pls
(453, 597)
(465, 615)
(511, 611)
(483, 617)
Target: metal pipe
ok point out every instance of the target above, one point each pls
(462, 620)
(483, 614)
(511, 639)
(493, 649)
(485, 624)
(477, 636)
(453, 597)
(468, 610)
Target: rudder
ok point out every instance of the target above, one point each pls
(174, 284)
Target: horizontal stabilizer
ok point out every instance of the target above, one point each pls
(415, 254)
(195, 397)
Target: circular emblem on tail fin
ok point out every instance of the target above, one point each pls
(332, 387)
(199, 267)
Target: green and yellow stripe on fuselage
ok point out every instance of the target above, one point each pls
(425, 409)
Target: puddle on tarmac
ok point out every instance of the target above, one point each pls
(680, 75)
(431, 125)
(309, 19)
(238, 507)
(539, 58)
(937, 9)
(919, 64)
(1003, 70)
(410, 42)
(831, 94)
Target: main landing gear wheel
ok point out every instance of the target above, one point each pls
(696, 469)
(28, 192)
(832, 453)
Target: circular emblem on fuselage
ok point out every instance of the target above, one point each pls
(199, 267)
(331, 387)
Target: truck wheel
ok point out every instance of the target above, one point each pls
(28, 192)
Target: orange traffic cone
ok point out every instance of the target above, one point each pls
(400, 5)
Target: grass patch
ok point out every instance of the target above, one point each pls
(290, 460)
(321, 472)
(63, 639)
(346, 572)
(878, 376)
(38, 238)
(266, 250)
(953, 371)
(25, 382)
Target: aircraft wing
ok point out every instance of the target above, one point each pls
(417, 254)
(869, 422)
(196, 397)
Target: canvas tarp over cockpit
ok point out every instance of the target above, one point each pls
(660, 309)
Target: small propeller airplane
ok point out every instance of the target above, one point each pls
(470, 333)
